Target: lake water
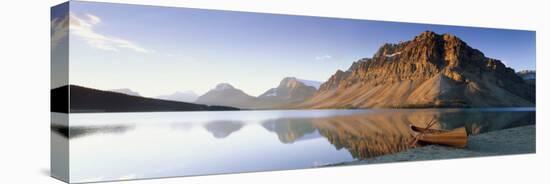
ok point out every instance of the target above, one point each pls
(113, 146)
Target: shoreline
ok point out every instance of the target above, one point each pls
(518, 140)
(517, 108)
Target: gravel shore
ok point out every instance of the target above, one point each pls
(519, 140)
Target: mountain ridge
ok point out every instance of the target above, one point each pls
(180, 96)
(290, 90)
(85, 100)
(127, 91)
(226, 95)
(431, 70)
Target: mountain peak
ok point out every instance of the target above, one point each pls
(225, 94)
(288, 79)
(433, 36)
(428, 33)
(290, 90)
(293, 82)
(223, 86)
(290, 82)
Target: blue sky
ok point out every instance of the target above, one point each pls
(160, 50)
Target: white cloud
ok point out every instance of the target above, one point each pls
(93, 19)
(323, 57)
(60, 30)
(84, 29)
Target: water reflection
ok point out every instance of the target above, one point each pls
(365, 134)
(240, 141)
(368, 136)
(373, 134)
(81, 131)
(480, 121)
(290, 130)
(222, 129)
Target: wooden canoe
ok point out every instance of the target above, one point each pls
(455, 138)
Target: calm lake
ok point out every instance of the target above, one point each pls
(111, 146)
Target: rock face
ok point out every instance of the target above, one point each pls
(431, 70)
(290, 90)
(226, 95)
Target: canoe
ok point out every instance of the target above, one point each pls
(455, 138)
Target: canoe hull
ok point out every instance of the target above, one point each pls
(455, 138)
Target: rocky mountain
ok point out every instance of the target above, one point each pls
(225, 94)
(290, 90)
(185, 96)
(529, 76)
(126, 91)
(83, 99)
(312, 83)
(431, 70)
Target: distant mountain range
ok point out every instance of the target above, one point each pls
(84, 99)
(529, 76)
(289, 91)
(125, 91)
(223, 97)
(431, 70)
(185, 96)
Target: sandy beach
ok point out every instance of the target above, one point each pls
(519, 140)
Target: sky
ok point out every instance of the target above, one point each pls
(160, 50)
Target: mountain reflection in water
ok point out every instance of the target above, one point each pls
(80, 131)
(222, 129)
(363, 133)
(166, 144)
(373, 134)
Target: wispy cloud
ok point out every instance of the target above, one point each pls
(323, 57)
(93, 19)
(83, 27)
(59, 29)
